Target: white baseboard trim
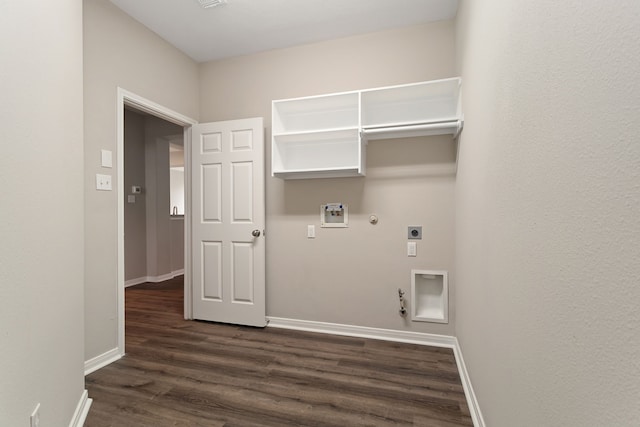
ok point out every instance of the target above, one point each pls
(472, 401)
(392, 335)
(133, 282)
(82, 410)
(177, 273)
(102, 360)
(153, 279)
(363, 332)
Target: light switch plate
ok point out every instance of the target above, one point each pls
(106, 158)
(412, 249)
(311, 231)
(103, 182)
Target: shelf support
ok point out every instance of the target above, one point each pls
(440, 128)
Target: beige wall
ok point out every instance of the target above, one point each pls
(349, 276)
(177, 244)
(41, 256)
(548, 201)
(118, 52)
(135, 214)
(159, 227)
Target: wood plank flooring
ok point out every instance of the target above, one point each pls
(190, 373)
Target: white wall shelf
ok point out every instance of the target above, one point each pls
(325, 136)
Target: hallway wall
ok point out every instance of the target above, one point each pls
(159, 223)
(135, 214)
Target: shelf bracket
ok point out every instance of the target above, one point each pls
(458, 128)
(426, 129)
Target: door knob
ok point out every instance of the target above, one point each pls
(255, 233)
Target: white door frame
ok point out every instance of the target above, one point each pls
(125, 97)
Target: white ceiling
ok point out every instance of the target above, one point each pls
(242, 27)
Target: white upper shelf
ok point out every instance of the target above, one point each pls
(419, 103)
(317, 113)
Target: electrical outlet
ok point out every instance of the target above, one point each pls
(35, 417)
(103, 182)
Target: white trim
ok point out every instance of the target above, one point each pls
(177, 273)
(124, 97)
(153, 279)
(434, 340)
(472, 400)
(157, 110)
(188, 301)
(120, 196)
(133, 282)
(102, 360)
(363, 332)
(80, 414)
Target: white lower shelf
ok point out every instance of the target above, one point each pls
(319, 173)
(326, 154)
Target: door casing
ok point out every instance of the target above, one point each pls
(140, 103)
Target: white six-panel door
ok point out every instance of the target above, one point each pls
(228, 217)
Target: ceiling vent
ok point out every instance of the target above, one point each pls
(211, 3)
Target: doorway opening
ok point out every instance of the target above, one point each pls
(153, 244)
(154, 208)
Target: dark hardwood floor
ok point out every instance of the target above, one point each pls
(190, 373)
